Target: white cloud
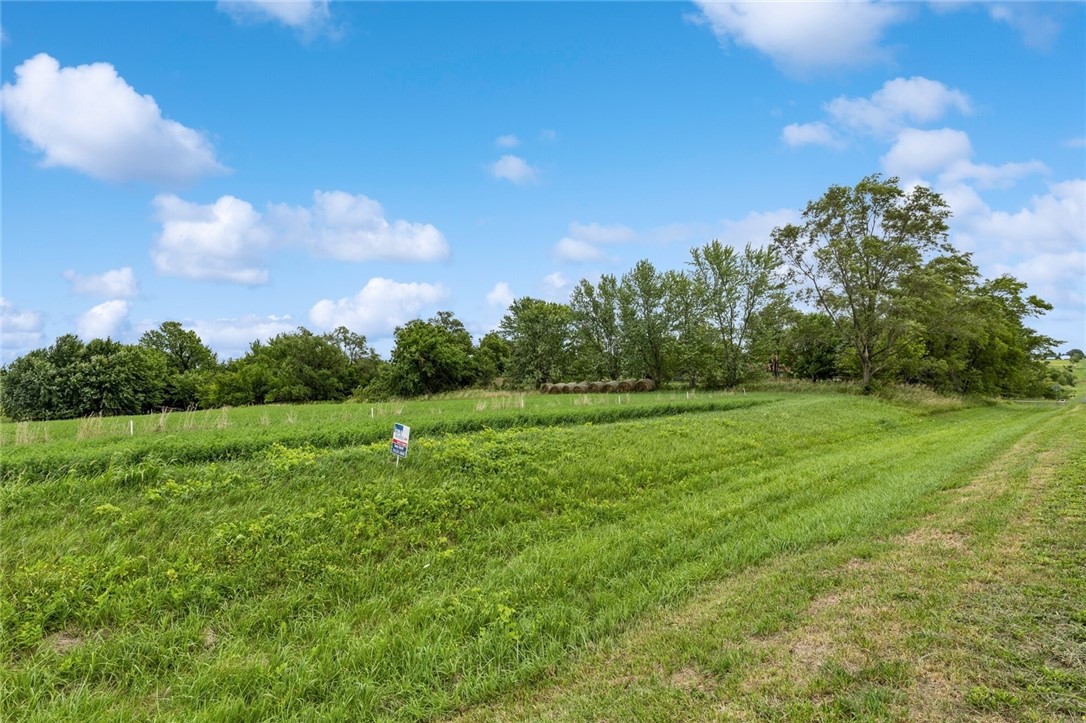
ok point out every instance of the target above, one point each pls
(1057, 277)
(805, 37)
(1037, 29)
(376, 310)
(353, 228)
(509, 141)
(989, 176)
(89, 119)
(548, 135)
(104, 320)
(755, 228)
(582, 244)
(946, 152)
(1055, 221)
(556, 287)
(221, 241)
(513, 168)
(19, 328)
(224, 240)
(596, 233)
(570, 249)
(900, 102)
(117, 283)
(308, 16)
(917, 153)
(501, 296)
(1079, 142)
(809, 134)
(231, 337)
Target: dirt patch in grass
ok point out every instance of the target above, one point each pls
(63, 642)
(938, 538)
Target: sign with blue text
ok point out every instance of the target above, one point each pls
(401, 435)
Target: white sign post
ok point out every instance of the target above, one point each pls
(401, 436)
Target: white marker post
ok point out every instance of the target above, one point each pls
(401, 436)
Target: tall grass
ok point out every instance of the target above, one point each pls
(238, 433)
(309, 581)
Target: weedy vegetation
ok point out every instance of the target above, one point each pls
(798, 556)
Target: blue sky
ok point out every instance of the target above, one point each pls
(246, 168)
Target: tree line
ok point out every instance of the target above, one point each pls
(866, 287)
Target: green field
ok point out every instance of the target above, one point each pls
(776, 556)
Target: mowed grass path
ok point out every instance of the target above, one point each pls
(307, 583)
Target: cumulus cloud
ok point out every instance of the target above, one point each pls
(755, 227)
(946, 152)
(376, 310)
(509, 141)
(1054, 221)
(221, 241)
(514, 169)
(805, 37)
(500, 297)
(570, 249)
(900, 102)
(19, 328)
(311, 17)
(920, 152)
(231, 337)
(89, 119)
(353, 228)
(226, 240)
(809, 134)
(1042, 244)
(584, 241)
(556, 287)
(117, 283)
(104, 320)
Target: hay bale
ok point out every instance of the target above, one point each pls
(644, 385)
(580, 388)
(555, 389)
(545, 388)
(611, 386)
(594, 387)
(625, 385)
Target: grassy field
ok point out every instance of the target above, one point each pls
(777, 556)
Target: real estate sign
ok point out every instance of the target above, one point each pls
(401, 435)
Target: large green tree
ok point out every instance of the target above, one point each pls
(430, 357)
(596, 328)
(73, 379)
(190, 364)
(540, 341)
(645, 331)
(297, 366)
(853, 253)
(736, 288)
(692, 353)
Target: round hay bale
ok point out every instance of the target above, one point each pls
(555, 389)
(611, 386)
(545, 387)
(644, 385)
(594, 387)
(626, 385)
(580, 388)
